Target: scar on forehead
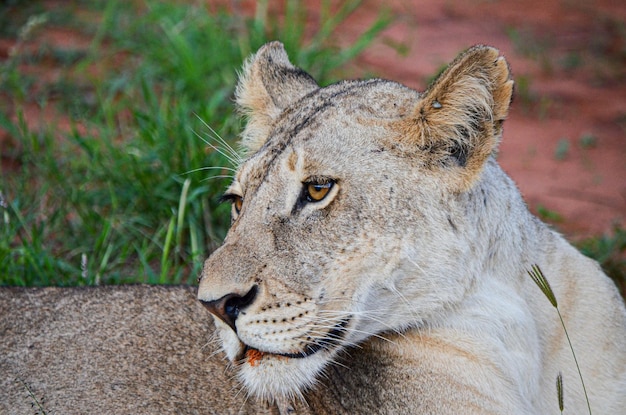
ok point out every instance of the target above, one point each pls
(291, 161)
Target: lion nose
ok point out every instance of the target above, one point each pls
(229, 306)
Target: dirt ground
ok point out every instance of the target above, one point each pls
(565, 139)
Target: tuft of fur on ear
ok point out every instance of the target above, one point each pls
(458, 120)
(268, 84)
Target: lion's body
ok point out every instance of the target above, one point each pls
(137, 350)
(367, 210)
(377, 263)
(148, 350)
(109, 350)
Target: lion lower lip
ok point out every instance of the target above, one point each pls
(331, 340)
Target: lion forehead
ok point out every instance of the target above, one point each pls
(324, 118)
(376, 98)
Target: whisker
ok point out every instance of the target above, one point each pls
(221, 176)
(232, 152)
(211, 168)
(410, 307)
(325, 336)
(235, 161)
(369, 314)
(215, 353)
(367, 333)
(246, 397)
(218, 137)
(338, 363)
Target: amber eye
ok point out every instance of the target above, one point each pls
(235, 200)
(237, 203)
(315, 192)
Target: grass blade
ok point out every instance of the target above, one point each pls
(542, 282)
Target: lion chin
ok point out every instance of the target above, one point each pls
(271, 376)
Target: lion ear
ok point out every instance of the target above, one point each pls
(268, 83)
(458, 120)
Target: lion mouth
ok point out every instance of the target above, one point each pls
(330, 341)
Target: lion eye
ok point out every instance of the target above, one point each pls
(237, 203)
(316, 192)
(235, 200)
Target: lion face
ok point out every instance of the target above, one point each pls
(343, 216)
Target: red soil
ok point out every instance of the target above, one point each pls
(565, 139)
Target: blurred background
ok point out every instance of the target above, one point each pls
(116, 117)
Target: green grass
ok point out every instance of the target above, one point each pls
(562, 149)
(548, 215)
(529, 44)
(122, 193)
(610, 251)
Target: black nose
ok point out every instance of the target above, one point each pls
(229, 306)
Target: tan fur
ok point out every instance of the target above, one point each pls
(263, 94)
(419, 251)
(475, 90)
(132, 350)
(405, 289)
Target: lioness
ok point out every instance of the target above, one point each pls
(369, 212)
(376, 264)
